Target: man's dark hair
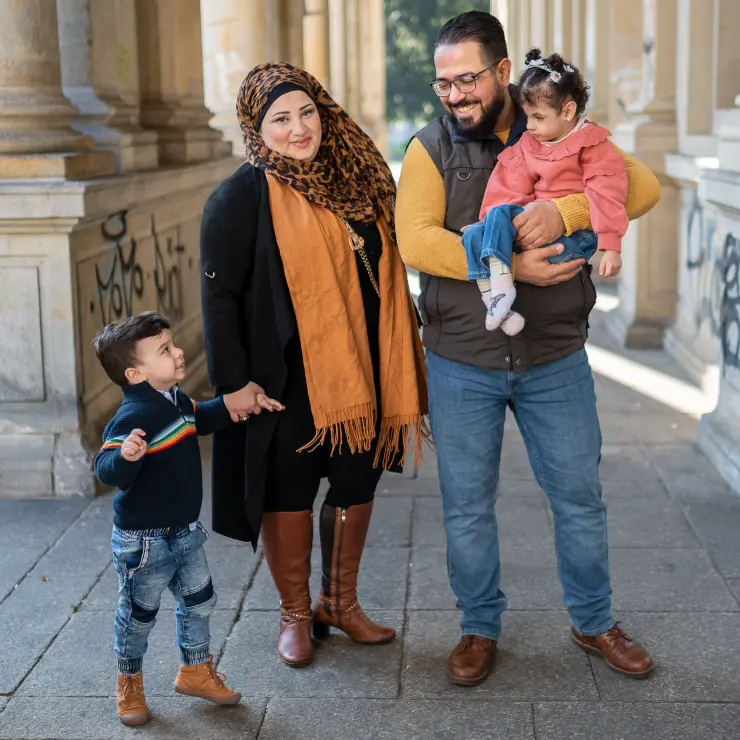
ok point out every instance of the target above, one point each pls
(115, 345)
(536, 83)
(475, 25)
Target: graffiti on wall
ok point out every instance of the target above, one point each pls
(120, 276)
(713, 267)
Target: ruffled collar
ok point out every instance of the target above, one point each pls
(589, 134)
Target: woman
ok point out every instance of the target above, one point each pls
(291, 313)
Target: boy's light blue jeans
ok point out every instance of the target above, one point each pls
(148, 562)
(555, 408)
(493, 238)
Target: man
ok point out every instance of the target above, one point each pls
(542, 374)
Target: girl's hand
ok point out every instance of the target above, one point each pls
(134, 446)
(611, 264)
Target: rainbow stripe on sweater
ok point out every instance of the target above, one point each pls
(168, 437)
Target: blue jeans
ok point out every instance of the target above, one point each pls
(555, 408)
(494, 238)
(147, 562)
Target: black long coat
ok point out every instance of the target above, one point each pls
(248, 320)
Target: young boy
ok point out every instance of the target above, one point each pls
(150, 453)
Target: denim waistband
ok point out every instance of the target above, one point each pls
(164, 532)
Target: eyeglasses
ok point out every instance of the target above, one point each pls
(464, 83)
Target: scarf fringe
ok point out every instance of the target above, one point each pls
(354, 425)
(395, 436)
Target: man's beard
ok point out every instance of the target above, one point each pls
(485, 126)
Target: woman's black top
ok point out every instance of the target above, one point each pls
(249, 322)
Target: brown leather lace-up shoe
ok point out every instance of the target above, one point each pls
(619, 651)
(132, 708)
(470, 662)
(205, 682)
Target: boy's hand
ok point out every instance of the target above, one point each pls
(611, 264)
(249, 400)
(134, 446)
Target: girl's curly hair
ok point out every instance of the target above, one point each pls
(557, 87)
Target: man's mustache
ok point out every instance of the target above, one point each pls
(463, 103)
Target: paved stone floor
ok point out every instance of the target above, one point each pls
(675, 554)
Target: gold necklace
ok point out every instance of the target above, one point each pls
(357, 244)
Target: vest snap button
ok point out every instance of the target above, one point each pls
(507, 359)
(463, 175)
(518, 362)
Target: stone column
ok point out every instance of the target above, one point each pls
(647, 285)
(338, 50)
(171, 81)
(626, 34)
(100, 77)
(291, 38)
(524, 43)
(578, 34)
(316, 40)
(540, 26)
(597, 61)
(236, 37)
(562, 28)
(372, 43)
(719, 432)
(693, 339)
(36, 138)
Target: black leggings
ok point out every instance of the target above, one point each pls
(293, 478)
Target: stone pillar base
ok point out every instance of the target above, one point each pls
(64, 166)
(719, 440)
(637, 333)
(684, 351)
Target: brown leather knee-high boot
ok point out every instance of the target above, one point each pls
(286, 540)
(343, 533)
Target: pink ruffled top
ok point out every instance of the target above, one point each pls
(583, 162)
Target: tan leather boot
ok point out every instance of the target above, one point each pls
(205, 682)
(287, 537)
(343, 533)
(132, 708)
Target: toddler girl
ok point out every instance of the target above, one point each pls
(561, 153)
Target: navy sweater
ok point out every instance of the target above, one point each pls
(164, 488)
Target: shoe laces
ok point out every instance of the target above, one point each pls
(133, 686)
(616, 633)
(473, 642)
(216, 676)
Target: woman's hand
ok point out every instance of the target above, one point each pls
(249, 400)
(538, 224)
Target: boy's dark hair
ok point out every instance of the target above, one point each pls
(115, 345)
(536, 83)
(475, 25)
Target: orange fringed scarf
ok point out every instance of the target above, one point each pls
(321, 273)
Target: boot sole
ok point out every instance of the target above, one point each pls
(598, 653)
(296, 664)
(321, 632)
(223, 700)
(469, 681)
(134, 720)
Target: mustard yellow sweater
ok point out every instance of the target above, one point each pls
(427, 246)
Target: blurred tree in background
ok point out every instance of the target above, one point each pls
(411, 28)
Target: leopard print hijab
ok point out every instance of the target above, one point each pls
(348, 175)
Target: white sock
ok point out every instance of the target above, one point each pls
(484, 285)
(512, 324)
(503, 294)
